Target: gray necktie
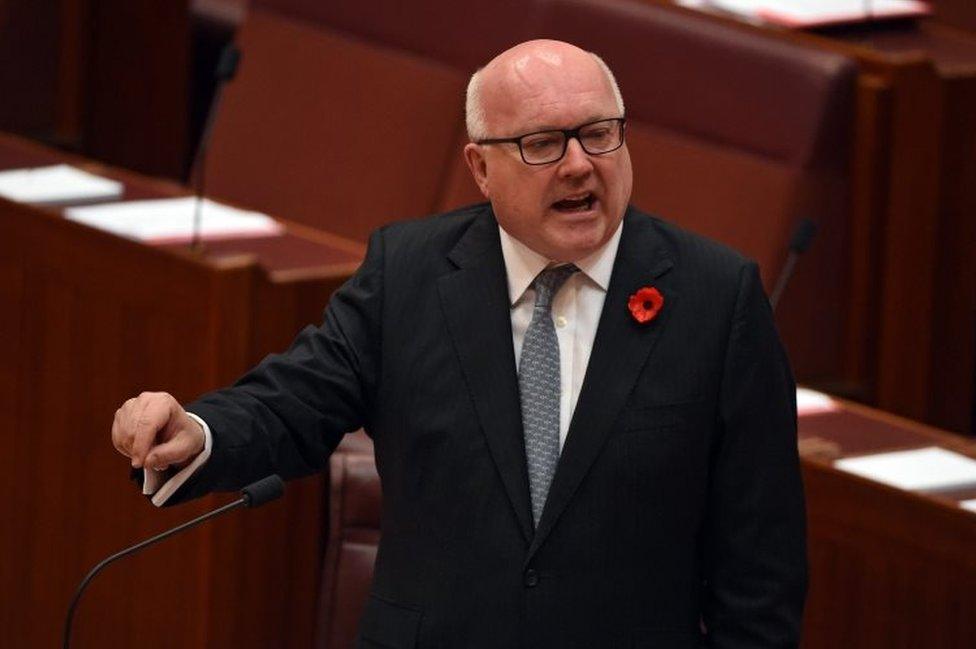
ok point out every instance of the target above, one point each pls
(539, 387)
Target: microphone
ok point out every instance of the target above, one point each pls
(802, 237)
(254, 495)
(226, 68)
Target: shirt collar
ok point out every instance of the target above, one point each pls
(522, 264)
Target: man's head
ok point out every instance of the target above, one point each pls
(565, 209)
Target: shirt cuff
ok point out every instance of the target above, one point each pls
(155, 483)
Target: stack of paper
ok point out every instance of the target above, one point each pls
(923, 469)
(171, 220)
(807, 13)
(56, 184)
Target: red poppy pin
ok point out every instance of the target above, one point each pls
(645, 304)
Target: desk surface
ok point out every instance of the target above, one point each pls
(300, 252)
(953, 51)
(852, 429)
(889, 568)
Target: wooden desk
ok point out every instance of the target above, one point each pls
(87, 320)
(889, 569)
(912, 316)
(928, 239)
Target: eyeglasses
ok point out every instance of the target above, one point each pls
(544, 147)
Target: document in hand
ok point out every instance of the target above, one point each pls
(171, 220)
(922, 469)
(812, 13)
(56, 184)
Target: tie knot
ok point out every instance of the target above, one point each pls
(548, 282)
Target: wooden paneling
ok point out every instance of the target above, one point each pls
(909, 240)
(889, 569)
(137, 111)
(87, 320)
(954, 322)
(29, 59)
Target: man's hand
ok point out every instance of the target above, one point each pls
(156, 433)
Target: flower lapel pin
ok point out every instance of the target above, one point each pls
(645, 304)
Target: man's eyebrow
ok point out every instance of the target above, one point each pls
(549, 127)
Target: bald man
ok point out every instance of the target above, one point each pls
(583, 418)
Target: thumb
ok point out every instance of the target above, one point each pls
(178, 450)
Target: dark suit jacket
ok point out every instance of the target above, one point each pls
(677, 503)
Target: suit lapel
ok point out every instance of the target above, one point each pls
(476, 305)
(620, 351)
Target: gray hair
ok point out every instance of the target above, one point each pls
(474, 110)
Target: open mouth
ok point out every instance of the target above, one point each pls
(582, 203)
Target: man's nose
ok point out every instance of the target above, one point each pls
(575, 161)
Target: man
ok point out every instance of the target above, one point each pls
(655, 503)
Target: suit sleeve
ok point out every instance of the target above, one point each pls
(289, 413)
(754, 544)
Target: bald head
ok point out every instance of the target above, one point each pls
(521, 74)
(555, 94)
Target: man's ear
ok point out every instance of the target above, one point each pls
(475, 157)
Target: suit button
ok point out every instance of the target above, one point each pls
(531, 578)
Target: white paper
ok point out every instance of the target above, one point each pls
(813, 11)
(155, 483)
(172, 220)
(56, 184)
(924, 469)
(810, 402)
(969, 504)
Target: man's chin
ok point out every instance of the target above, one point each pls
(576, 240)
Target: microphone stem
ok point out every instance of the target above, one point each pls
(783, 278)
(198, 171)
(135, 548)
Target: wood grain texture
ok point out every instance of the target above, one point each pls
(889, 569)
(87, 320)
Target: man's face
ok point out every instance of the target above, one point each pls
(563, 210)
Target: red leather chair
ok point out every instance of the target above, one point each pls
(354, 533)
(737, 136)
(331, 131)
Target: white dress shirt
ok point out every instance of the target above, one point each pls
(576, 310)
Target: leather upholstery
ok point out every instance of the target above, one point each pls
(330, 131)
(354, 532)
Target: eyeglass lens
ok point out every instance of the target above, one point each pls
(549, 146)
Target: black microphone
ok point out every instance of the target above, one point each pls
(253, 495)
(802, 237)
(226, 68)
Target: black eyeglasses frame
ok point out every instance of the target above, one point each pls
(567, 134)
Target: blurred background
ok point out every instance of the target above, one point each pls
(746, 120)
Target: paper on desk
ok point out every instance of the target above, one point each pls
(813, 12)
(56, 184)
(923, 469)
(969, 504)
(170, 220)
(810, 402)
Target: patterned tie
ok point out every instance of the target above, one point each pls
(539, 387)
